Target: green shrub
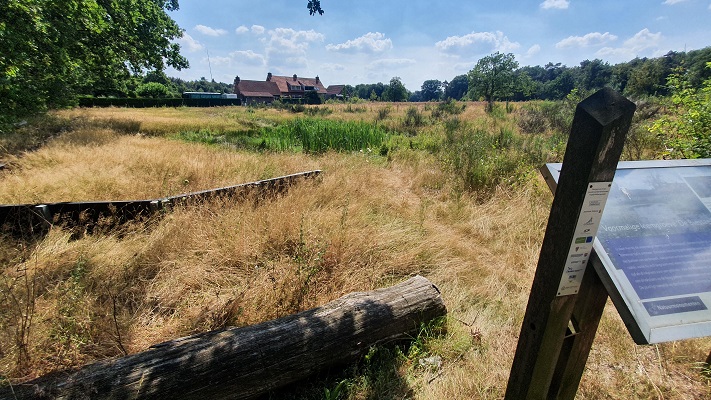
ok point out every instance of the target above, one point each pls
(316, 111)
(531, 119)
(558, 115)
(297, 108)
(383, 113)
(350, 109)
(505, 139)
(687, 127)
(153, 90)
(480, 160)
(413, 119)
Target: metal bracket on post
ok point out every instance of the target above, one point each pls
(550, 357)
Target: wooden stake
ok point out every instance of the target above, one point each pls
(597, 136)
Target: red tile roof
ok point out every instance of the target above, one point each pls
(283, 83)
(335, 89)
(257, 89)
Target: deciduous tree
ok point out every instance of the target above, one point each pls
(396, 91)
(493, 78)
(457, 88)
(51, 50)
(431, 90)
(594, 74)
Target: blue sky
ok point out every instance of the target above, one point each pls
(368, 41)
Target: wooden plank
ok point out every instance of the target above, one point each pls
(597, 136)
(21, 219)
(244, 363)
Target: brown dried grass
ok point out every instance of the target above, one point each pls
(365, 223)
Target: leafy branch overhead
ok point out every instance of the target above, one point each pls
(314, 7)
(53, 50)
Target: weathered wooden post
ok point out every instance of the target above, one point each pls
(567, 299)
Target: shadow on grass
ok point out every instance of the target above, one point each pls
(245, 363)
(380, 374)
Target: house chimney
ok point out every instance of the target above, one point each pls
(317, 80)
(294, 77)
(269, 76)
(236, 83)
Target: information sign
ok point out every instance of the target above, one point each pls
(582, 243)
(654, 247)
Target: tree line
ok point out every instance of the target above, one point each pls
(499, 77)
(495, 77)
(54, 52)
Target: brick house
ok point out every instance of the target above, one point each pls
(276, 87)
(335, 91)
(294, 87)
(256, 92)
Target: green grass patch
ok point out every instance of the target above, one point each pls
(319, 136)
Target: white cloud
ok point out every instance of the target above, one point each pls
(672, 2)
(258, 29)
(371, 42)
(389, 63)
(465, 66)
(533, 50)
(591, 39)
(332, 67)
(206, 30)
(286, 47)
(477, 42)
(557, 4)
(242, 29)
(248, 57)
(309, 36)
(189, 43)
(219, 61)
(299, 62)
(642, 41)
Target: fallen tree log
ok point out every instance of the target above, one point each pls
(244, 363)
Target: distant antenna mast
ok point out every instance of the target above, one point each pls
(208, 63)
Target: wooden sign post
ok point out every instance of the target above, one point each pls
(567, 298)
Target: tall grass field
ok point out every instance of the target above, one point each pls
(444, 190)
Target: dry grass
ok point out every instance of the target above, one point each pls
(367, 223)
(161, 121)
(102, 165)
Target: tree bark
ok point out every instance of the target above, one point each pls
(244, 363)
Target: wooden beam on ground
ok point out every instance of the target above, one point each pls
(244, 363)
(33, 219)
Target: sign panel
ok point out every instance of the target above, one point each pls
(582, 244)
(654, 247)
